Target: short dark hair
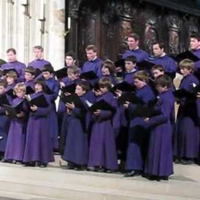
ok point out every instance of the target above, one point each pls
(3, 83)
(84, 85)
(105, 83)
(31, 70)
(40, 82)
(11, 50)
(39, 47)
(163, 81)
(134, 35)
(132, 59)
(48, 68)
(158, 67)
(110, 66)
(161, 44)
(196, 36)
(71, 54)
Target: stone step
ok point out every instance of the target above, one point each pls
(56, 183)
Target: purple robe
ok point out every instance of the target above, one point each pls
(10, 98)
(76, 144)
(186, 135)
(4, 128)
(94, 65)
(168, 63)
(196, 64)
(159, 160)
(102, 143)
(38, 63)
(18, 66)
(17, 135)
(38, 147)
(138, 53)
(128, 77)
(54, 86)
(136, 151)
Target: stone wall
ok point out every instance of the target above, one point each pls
(26, 23)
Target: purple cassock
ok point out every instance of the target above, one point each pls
(159, 160)
(76, 143)
(17, 134)
(38, 147)
(61, 106)
(38, 63)
(128, 76)
(137, 140)
(102, 143)
(10, 97)
(94, 65)
(4, 128)
(168, 63)
(186, 136)
(18, 66)
(196, 64)
(138, 53)
(54, 87)
(30, 83)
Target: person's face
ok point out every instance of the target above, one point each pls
(161, 89)
(103, 90)
(38, 53)
(79, 91)
(69, 61)
(2, 89)
(194, 44)
(91, 54)
(11, 56)
(132, 43)
(47, 75)
(28, 76)
(129, 66)
(185, 72)
(20, 93)
(157, 73)
(105, 71)
(10, 80)
(38, 88)
(72, 76)
(157, 50)
(139, 84)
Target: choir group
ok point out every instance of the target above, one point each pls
(111, 116)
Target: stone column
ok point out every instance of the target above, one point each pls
(72, 33)
(54, 40)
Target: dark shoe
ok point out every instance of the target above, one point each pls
(153, 178)
(187, 162)
(132, 174)
(30, 164)
(110, 171)
(43, 165)
(164, 178)
(69, 167)
(92, 169)
(101, 170)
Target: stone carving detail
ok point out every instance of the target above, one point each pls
(174, 24)
(150, 34)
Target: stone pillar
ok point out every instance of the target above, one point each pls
(54, 40)
(72, 36)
